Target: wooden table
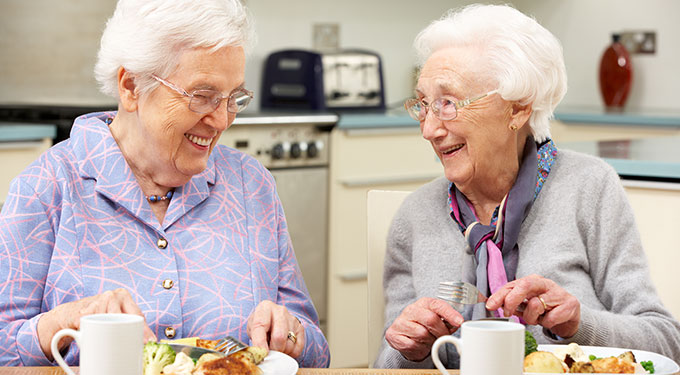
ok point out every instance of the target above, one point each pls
(302, 371)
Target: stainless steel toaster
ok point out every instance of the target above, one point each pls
(347, 79)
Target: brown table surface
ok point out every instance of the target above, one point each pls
(302, 371)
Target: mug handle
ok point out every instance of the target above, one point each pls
(55, 350)
(435, 350)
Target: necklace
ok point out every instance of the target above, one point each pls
(158, 198)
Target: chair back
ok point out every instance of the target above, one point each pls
(380, 209)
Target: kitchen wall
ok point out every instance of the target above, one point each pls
(48, 48)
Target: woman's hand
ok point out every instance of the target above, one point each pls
(419, 325)
(269, 326)
(68, 315)
(547, 304)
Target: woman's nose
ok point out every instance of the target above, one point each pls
(220, 118)
(432, 127)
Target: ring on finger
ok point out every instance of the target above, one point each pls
(292, 337)
(545, 306)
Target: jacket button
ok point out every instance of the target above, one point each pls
(162, 243)
(169, 332)
(167, 283)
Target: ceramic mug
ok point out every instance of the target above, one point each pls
(110, 344)
(486, 347)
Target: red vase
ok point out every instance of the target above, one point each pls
(616, 74)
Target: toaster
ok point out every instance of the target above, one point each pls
(342, 80)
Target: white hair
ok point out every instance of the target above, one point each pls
(524, 58)
(148, 36)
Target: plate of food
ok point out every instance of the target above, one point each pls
(558, 359)
(195, 357)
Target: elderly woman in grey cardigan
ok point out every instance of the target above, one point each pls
(546, 234)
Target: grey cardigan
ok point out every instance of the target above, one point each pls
(580, 232)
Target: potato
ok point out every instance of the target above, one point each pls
(543, 362)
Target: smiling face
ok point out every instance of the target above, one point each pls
(477, 147)
(167, 142)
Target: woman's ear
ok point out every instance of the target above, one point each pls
(127, 90)
(520, 115)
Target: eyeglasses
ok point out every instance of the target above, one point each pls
(206, 101)
(444, 109)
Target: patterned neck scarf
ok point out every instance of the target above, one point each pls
(495, 245)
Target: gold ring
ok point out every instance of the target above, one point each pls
(545, 306)
(292, 337)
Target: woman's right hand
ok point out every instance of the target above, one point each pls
(419, 325)
(68, 315)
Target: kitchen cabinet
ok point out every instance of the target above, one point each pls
(389, 158)
(657, 214)
(20, 145)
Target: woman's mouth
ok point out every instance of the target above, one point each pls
(452, 149)
(198, 140)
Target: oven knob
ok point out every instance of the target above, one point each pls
(312, 149)
(277, 151)
(295, 150)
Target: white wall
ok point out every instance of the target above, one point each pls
(48, 48)
(584, 27)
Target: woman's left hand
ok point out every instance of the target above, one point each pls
(547, 304)
(270, 326)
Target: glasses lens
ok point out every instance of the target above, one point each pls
(414, 109)
(205, 101)
(238, 101)
(444, 109)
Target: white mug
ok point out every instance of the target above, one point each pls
(486, 347)
(110, 344)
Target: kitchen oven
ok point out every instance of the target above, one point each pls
(295, 149)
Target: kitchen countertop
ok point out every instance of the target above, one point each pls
(656, 159)
(583, 115)
(16, 132)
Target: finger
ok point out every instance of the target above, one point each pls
(278, 333)
(533, 310)
(258, 326)
(301, 339)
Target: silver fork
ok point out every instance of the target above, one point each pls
(459, 292)
(230, 345)
(464, 293)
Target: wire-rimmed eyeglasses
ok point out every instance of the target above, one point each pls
(206, 101)
(445, 109)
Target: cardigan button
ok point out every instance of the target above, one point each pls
(169, 332)
(162, 243)
(167, 283)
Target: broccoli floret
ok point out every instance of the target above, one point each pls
(648, 365)
(530, 344)
(157, 356)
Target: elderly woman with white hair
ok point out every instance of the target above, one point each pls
(141, 211)
(546, 234)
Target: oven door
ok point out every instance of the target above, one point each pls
(304, 196)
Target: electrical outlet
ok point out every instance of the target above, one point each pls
(326, 36)
(639, 41)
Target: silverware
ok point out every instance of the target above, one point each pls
(194, 352)
(230, 345)
(459, 292)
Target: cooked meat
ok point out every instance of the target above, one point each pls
(228, 366)
(208, 344)
(582, 368)
(628, 356)
(613, 365)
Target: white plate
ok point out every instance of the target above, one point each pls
(662, 365)
(277, 363)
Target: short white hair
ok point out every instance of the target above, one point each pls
(148, 36)
(523, 57)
